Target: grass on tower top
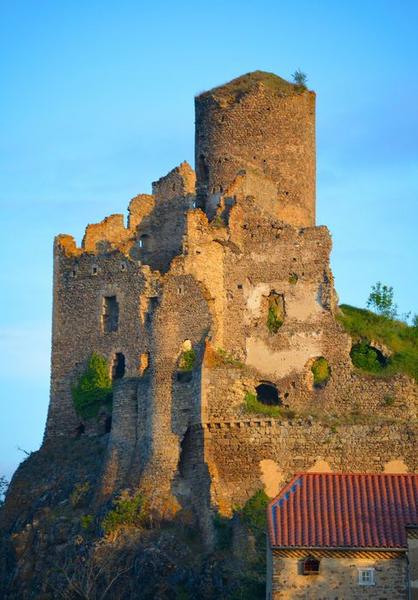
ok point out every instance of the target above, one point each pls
(243, 84)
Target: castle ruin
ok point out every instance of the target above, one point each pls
(229, 268)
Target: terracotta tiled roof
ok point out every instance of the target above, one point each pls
(333, 510)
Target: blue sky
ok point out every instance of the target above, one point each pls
(97, 102)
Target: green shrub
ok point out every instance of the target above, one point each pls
(381, 300)
(321, 372)
(300, 78)
(366, 358)
(227, 358)
(254, 511)
(218, 221)
(293, 278)
(79, 493)
(187, 360)
(253, 405)
(94, 388)
(87, 522)
(275, 315)
(397, 336)
(273, 321)
(127, 511)
(388, 400)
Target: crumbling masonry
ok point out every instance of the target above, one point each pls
(199, 266)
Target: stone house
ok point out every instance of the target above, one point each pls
(339, 535)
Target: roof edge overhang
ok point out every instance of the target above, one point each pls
(343, 548)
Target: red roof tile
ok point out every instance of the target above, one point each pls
(350, 510)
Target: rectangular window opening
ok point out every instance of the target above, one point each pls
(110, 316)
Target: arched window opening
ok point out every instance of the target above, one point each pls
(108, 424)
(310, 566)
(321, 372)
(118, 366)
(368, 358)
(268, 394)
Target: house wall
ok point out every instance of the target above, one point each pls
(338, 577)
(412, 538)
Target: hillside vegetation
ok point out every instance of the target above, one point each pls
(372, 332)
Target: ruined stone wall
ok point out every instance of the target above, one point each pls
(81, 282)
(251, 259)
(181, 317)
(159, 235)
(158, 221)
(246, 455)
(338, 577)
(181, 181)
(270, 136)
(113, 260)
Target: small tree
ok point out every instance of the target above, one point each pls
(381, 300)
(94, 387)
(300, 78)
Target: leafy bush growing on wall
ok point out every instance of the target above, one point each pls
(275, 315)
(253, 405)
(254, 511)
(94, 388)
(79, 494)
(321, 372)
(400, 339)
(366, 357)
(127, 511)
(187, 360)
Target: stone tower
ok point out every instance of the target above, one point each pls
(264, 126)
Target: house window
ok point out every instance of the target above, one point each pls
(310, 566)
(366, 576)
(110, 315)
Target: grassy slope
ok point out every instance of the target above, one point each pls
(397, 336)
